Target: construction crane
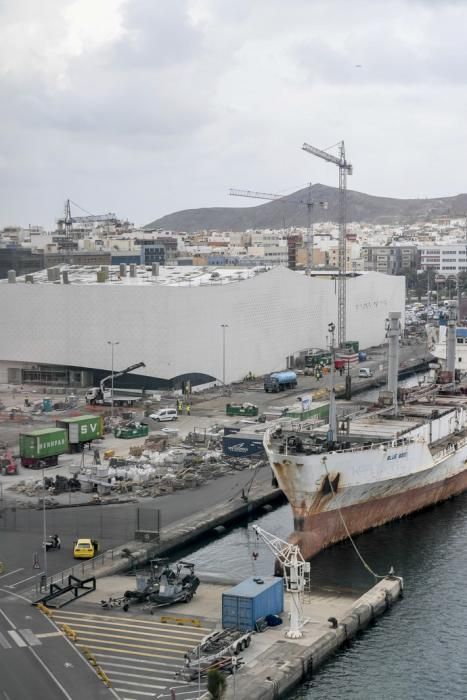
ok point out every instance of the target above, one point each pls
(102, 394)
(68, 220)
(309, 203)
(344, 169)
(294, 567)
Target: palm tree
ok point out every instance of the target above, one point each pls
(217, 684)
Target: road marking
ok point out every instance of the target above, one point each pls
(47, 670)
(17, 595)
(146, 669)
(30, 637)
(4, 642)
(145, 685)
(181, 633)
(157, 643)
(175, 659)
(126, 651)
(139, 675)
(16, 638)
(136, 620)
(49, 634)
(10, 573)
(138, 692)
(13, 585)
(8, 619)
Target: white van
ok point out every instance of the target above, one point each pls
(365, 372)
(165, 414)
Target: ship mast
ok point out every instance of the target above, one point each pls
(332, 432)
(451, 343)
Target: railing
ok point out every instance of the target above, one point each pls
(84, 568)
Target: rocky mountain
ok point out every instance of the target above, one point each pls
(291, 210)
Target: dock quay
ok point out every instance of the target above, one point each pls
(175, 536)
(271, 666)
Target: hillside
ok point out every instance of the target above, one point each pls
(287, 213)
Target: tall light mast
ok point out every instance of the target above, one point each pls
(344, 169)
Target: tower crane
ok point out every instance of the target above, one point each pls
(344, 169)
(294, 567)
(309, 203)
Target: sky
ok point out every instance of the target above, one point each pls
(145, 107)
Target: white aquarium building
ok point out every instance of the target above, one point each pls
(182, 322)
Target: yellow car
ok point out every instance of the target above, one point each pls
(85, 549)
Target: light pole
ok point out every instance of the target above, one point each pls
(112, 344)
(223, 326)
(44, 524)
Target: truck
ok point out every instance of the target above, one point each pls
(41, 448)
(102, 395)
(81, 430)
(279, 381)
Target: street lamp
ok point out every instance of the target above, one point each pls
(223, 326)
(112, 344)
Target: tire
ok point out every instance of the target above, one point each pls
(247, 642)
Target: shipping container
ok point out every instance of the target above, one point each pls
(252, 599)
(82, 428)
(42, 446)
(242, 445)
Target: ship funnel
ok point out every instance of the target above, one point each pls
(451, 343)
(392, 334)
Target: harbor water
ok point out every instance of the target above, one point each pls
(417, 650)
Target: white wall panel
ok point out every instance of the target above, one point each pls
(176, 330)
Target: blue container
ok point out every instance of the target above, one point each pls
(361, 356)
(247, 602)
(47, 405)
(242, 445)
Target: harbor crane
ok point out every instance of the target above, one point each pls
(345, 169)
(308, 202)
(294, 567)
(68, 220)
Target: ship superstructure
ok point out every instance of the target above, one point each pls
(376, 465)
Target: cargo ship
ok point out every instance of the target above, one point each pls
(404, 453)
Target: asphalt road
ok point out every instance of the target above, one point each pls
(21, 529)
(36, 661)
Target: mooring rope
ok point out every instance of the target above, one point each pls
(357, 551)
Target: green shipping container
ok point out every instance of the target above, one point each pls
(82, 428)
(39, 444)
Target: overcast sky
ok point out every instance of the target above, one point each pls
(144, 107)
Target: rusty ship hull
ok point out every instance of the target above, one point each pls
(367, 485)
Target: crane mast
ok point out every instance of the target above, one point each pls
(309, 203)
(294, 567)
(344, 169)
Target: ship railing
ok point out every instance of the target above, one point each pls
(452, 447)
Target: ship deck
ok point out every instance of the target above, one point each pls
(367, 430)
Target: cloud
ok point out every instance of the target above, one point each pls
(147, 107)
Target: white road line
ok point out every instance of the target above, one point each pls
(106, 630)
(132, 623)
(13, 585)
(47, 670)
(30, 637)
(17, 595)
(49, 634)
(10, 573)
(136, 692)
(144, 685)
(4, 642)
(139, 675)
(8, 619)
(147, 669)
(137, 620)
(16, 638)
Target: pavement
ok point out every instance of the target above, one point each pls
(37, 661)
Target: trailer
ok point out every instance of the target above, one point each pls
(82, 430)
(41, 448)
(226, 642)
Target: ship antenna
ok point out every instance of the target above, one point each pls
(332, 432)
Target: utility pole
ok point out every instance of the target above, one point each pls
(44, 524)
(344, 169)
(112, 344)
(224, 326)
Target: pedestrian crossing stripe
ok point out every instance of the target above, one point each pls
(140, 675)
(174, 663)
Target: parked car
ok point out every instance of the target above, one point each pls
(164, 414)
